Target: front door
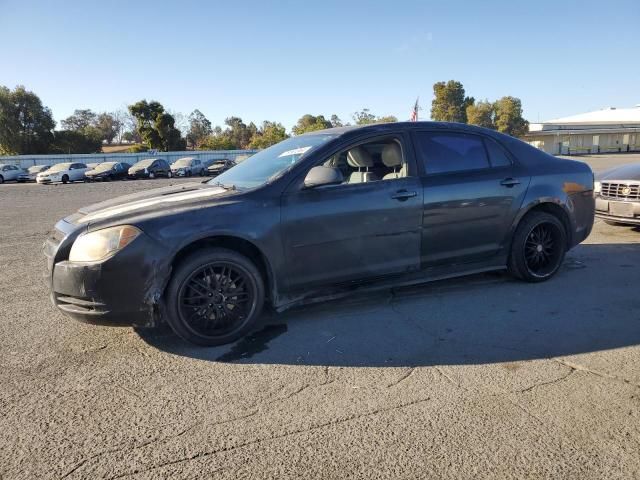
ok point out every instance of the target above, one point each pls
(472, 193)
(367, 227)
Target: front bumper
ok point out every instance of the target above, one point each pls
(140, 174)
(179, 173)
(605, 211)
(123, 290)
(46, 180)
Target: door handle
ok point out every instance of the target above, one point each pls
(509, 182)
(403, 195)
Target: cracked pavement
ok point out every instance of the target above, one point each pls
(481, 377)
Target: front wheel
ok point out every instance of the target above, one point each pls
(152, 175)
(538, 247)
(214, 297)
(1, 179)
(169, 175)
(65, 179)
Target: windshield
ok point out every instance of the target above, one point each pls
(145, 163)
(103, 167)
(183, 162)
(271, 162)
(60, 167)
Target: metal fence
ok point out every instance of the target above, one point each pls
(25, 161)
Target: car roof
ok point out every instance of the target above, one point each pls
(382, 127)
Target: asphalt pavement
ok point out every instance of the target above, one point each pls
(481, 377)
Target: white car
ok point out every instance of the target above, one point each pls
(9, 172)
(63, 172)
(188, 166)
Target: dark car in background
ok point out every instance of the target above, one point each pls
(617, 192)
(220, 166)
(150, 168)
(317, 216)
(31, 173)
(108, 171)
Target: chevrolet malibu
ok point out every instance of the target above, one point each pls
(317, 216)
(617, 193)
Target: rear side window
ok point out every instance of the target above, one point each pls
(444, 152)
(497, 155)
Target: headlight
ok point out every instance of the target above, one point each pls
(597, 187)
(98, 245)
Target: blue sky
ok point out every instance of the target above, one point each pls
(279, 60)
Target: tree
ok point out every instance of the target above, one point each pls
(310, 123)
(450, 103)
(76, 141)
(481, 114)
(108, 127)
(365, 117)
(156, 127)
(80, 121)
(335, 121)
(199, 129)
(25, 124)
(268, 134)
(508, 117)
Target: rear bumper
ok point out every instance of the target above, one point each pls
(123, 290)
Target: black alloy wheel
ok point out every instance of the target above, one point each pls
(538, 248)
(214, 297)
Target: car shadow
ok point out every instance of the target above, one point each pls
(592, 304)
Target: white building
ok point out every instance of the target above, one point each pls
(602, 131)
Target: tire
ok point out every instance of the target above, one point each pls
(65, 179)
(152, 175)
(202, 172)
(193, 285)
(1, 179)
(538, 247)
(169, 175)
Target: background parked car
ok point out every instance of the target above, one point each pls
(63, 172)
(150, 168)
(617, 193)
(188, 166)
(108, 171)
(31, 173)
(220, 166)
(9, 172)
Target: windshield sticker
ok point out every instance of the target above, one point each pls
(295, 151)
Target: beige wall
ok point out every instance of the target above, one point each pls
(585, 142)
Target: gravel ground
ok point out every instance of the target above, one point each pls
(482, 377)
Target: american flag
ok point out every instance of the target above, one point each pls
(414, 112)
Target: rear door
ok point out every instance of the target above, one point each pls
(472, 192)
(353, 231)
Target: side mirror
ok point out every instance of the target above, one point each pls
(320, 176)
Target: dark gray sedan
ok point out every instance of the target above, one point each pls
(618, 195)
(317, 216)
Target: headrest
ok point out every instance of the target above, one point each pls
(359, 157)
(392, 155)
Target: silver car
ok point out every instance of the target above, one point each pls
(617, 194)
(9, 172)
(31, 173)
(188, 166)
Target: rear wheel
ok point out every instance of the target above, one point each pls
(538, 247)
(152, 175)
(1, 179)
(202, 172)
(65, 179)
(214, 297)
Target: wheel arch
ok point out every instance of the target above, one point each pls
(553, 207)
(237, 244)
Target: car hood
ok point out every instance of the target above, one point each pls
(96, 172)
(624, 172)
(157, 199)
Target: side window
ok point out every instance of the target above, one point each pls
(375, 160)
(497, 156)
(444, 152)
